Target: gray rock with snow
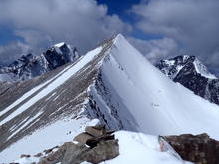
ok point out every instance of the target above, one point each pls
(105, 148)
(30, 66)
(192, 74)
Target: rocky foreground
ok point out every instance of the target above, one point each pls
(200, 149)
(97, 144)
(94, 145)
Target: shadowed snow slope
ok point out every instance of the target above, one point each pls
(155, 103)
(113, 83)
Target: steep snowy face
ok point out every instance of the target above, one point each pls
(191, 73)
(113, 83)
(137, 96)
(29, 66)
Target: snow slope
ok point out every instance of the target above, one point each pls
(141, 148)
(115, 84)
(149, 101)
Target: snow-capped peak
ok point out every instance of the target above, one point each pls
(29, 66)
(192, 74)
(172, 67)
(59, 44)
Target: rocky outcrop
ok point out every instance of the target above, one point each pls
(59, 55)
(192, 74)
(94, 146)
(200, 149)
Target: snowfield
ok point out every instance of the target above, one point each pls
(141, 148)
(53, 135)
(157, 105)
(129, 93)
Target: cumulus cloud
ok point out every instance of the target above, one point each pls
(12, 51)
(155, 50)
(192, 23)
(82, 23)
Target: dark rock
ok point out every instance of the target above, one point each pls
(50, 150)
(95, 131)
(200, 149)
(38, 155)
(71, 153)
(104, 150)
(25, 156)
(90, 148)
(57, 156)
(75, 154)
(83, 137)
(94, 141)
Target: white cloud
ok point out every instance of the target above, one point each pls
(80, 22)
(12, 51)
(155, 50)
(192, 23)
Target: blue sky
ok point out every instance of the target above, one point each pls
(119, 7)
(123, 9)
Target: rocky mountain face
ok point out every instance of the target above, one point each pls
(108, 86)
(192, 74)
(30, 66)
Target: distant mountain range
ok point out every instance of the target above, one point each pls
(29, 66)
(192, 74)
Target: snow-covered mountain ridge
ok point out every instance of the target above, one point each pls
(113, 83)
(191, 73)
(30, 66)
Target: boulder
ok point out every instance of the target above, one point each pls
(95, 149)
(50, 150)
(25, 156)
(94, 141)
(75, 154)
(38, 155)
(95, 131)
(200, 149)
(58, 155)
(104, 150)
(83, 137)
